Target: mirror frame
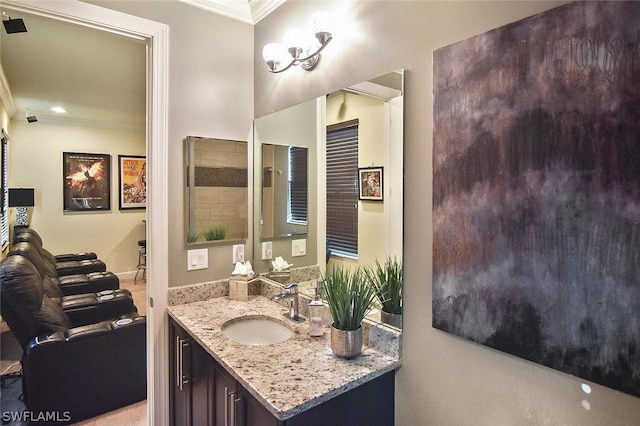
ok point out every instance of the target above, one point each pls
(190, 193)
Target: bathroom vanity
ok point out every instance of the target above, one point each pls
(217, 381)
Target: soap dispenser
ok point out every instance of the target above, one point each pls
(316, 310)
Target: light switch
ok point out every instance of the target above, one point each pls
(298, 247)
(267, 252)
(238, 253)
(197, 259)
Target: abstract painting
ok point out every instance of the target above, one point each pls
(536, 191)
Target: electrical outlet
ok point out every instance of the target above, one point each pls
(267, 250)
(298, 247)
(238, 253)
(197, 259)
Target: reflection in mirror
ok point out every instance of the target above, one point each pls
(216, 192)
(365, 131)
(284, 190)
(296, 126)
(375, 107)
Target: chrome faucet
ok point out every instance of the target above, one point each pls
(290, 292)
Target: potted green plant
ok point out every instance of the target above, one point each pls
(350, 298)
(387, 281)
(215, 233)
(192, 236)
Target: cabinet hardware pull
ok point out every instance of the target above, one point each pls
(226, 406)
(178, 363)
(182, 378)
(233, 409)
(237, 410)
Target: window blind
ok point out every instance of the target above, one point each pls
(297, 182)
(342, 188)
(4, 230)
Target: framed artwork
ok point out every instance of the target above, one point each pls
(370, 183)
(132, 182)
(87, 181)
(536, 190)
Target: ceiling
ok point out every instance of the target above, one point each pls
(98, 77)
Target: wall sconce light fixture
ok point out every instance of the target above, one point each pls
(300, 47)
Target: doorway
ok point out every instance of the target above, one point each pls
(156, 36)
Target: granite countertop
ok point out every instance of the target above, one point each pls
(287, 378)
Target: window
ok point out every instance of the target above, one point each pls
(342, 188)
(297, 186)
(4, 204)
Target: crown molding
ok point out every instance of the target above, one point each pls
(5, 95)
(260, 9)
(248, 11)
(79, 122)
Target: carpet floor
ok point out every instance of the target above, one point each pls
(11, 403)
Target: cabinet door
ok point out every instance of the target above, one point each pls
(256, 413)
(228, 406)
(370, 404)
(201, 386)
(180, 389)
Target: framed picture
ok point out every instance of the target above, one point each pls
(87, 181)
(132, 188)
(370, 183)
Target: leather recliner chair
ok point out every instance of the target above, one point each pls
(68, 284)
(64, 264)
(74, 372)
(81, 308)
(30, 235)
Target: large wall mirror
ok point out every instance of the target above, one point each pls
(216, 190)
(370, 116)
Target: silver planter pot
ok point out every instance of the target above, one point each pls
(346, 343)
(391, 319)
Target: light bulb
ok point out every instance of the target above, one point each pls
(295, 38)
(322, 22)
(274, 54)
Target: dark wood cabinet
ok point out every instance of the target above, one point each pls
(202, 374)
(203, 393)
(179, 366)
(227, 398)
(191, 373)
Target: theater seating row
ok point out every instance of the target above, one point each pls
(84, 345)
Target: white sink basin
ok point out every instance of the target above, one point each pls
(256, 330)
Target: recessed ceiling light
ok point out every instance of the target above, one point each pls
(58, 109)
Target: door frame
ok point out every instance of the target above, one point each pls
(156, 36)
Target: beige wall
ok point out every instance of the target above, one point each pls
(210, 95)
(444, 380)
(36, 162)
(4, 117)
